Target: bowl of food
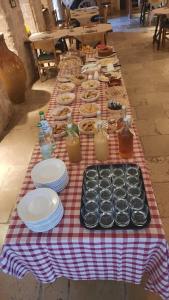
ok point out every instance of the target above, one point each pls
(66, 87)
(114, 108)
(87, 126)
(89, 110)
(65, 98)
(90, 84)
(79, 79)
(90, 96)
(59, 129)
(60, 112)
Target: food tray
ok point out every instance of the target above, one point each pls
(124, 212)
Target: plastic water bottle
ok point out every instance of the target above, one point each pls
(47, 129)
(44, 143)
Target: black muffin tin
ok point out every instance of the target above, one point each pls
(98, 168)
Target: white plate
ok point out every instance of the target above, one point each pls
(90, 67)
(90, 84)
(38, 205)
(65, 98)
(49, 219)
(48, 171)
(66, 87)
(49, 226)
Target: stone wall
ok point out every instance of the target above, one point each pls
(28, 15)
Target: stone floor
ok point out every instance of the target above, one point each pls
(145, 72)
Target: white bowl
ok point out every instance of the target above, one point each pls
(65, 98)
(48, 171)
(89, 110)
(85, 122)
(60, 112)
(38, 205)
(66, 87)
(90, 84)
(85, 96)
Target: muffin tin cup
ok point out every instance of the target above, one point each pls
(114, 197)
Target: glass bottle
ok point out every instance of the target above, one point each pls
(73, 145)
(101, 141)
(44, 143)
(121, 119)
(125, 137)
(73, 125)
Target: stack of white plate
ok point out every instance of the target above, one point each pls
(40, 209)
(50, 173)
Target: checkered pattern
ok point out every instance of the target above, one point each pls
(74, 252)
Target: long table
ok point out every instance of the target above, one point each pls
(83, 15)
(74, 252)
(85, 35)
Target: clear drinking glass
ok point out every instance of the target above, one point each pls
(132, 171)
(119, 193)
(91, 184)
(117, 172)
(139, 217)
(91, 219)
(105, 173)
(92, 174)
(133, 181)
(106, 220)
(105, 195)
(105, 184)
(122, 218)
(136, 203)
(118, 183)
(121, 205)
(90, 195)
(91, 206)
(106, 206)
(134, 192)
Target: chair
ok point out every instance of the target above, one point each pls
(68, 43)
(46, 57)
(165, 30)
(87, 3)
(146, 7)
(103, 14)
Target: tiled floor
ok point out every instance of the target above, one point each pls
(145, 73)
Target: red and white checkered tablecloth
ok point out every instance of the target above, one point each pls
(74, 252)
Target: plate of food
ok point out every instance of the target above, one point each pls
(59, 129)
(60, 112)
(90, 84)
(89, 110)
(103, 78)
(87, 126)
(66, 87)
(90, 96)
(65, 98)
(64, 79)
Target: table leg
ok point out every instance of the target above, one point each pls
(158, 31)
